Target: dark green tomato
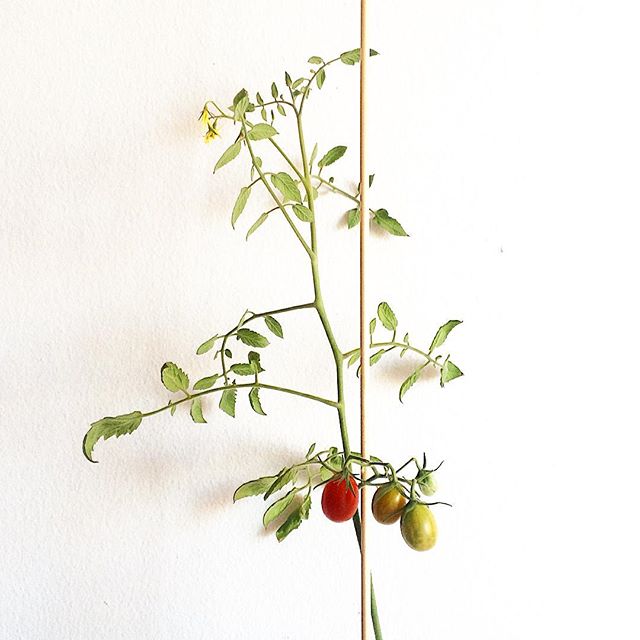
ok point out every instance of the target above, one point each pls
(388, 503)
(418, 526)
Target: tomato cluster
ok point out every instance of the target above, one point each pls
(418, 526)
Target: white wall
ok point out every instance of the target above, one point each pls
(504, 135)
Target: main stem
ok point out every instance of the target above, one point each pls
(338, 356)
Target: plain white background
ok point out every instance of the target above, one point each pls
(504, 135)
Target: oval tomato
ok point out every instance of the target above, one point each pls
(418, 526)
(388, 503)
(340, 498)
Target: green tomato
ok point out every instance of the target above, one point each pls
(428, 484)
(388, 503)
(418, 526)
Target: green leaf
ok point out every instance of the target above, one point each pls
(442, 333)
(449, 372)
(241, 104)
(261, 132)
(274, 90)
(286, 185)
(353, 218)
(230, 154)
(382, 218)
(410, 381)
(353, 57)
(320, 78)
(274, 326)
(207, 345)
(240, 204)
(173, 407)
(372, 326)
(310, 450)
(107, 427)
(173, 377)
(303, 213)
(332, 155)
(284, 478)
(315, 60)
(314, 153)
(294, 520)
(243, 369)
(196, 411)
(206, 383)
(253, 488)
(227, 352)
(371, 177)
(281, 110)
(252, 338)
(257, 224)
(287, 79)
(376, 357)
(355, 356)
(228, 402)
(278, 507)
(254, 401)
(387, 317)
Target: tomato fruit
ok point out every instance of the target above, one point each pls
(418, 526)
(388, 503)
(340, 498)
(428, 484)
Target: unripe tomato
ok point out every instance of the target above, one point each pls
(418, 526)
(388, 503)
(340, 498)
(428, 484)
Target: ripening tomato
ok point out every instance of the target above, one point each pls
(340, 498)
(418, 526)
(388, 503)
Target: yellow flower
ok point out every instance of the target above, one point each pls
(212, 132)
(205, 116)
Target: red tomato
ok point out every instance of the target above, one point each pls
(340, 499)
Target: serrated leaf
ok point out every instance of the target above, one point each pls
(283, 479)
(278, 507)
(206, 383)
(240, 204)
(332, 155)
(243, 369)
(449, 372)
(274, 326)
(207, 345)
(196, 411)
(257, 224)
(410, 381)
(230, 154)
(442, 333)
(252, 338)
(261, 132)
(107, 427)
(294, 520)
(353, 218)
(320, 78)
(228, 402)
(303, 213)
(254, 401)
(382, 218)
(253, 488)
(387, 317)
(286, 185)
(315, 60)
(173, 377)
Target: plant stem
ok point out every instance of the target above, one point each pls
(248, 385)
(400, 345)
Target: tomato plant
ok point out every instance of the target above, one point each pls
(292, 182)
(340, 498)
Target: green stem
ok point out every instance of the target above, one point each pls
(249, 385)
(400, 345)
